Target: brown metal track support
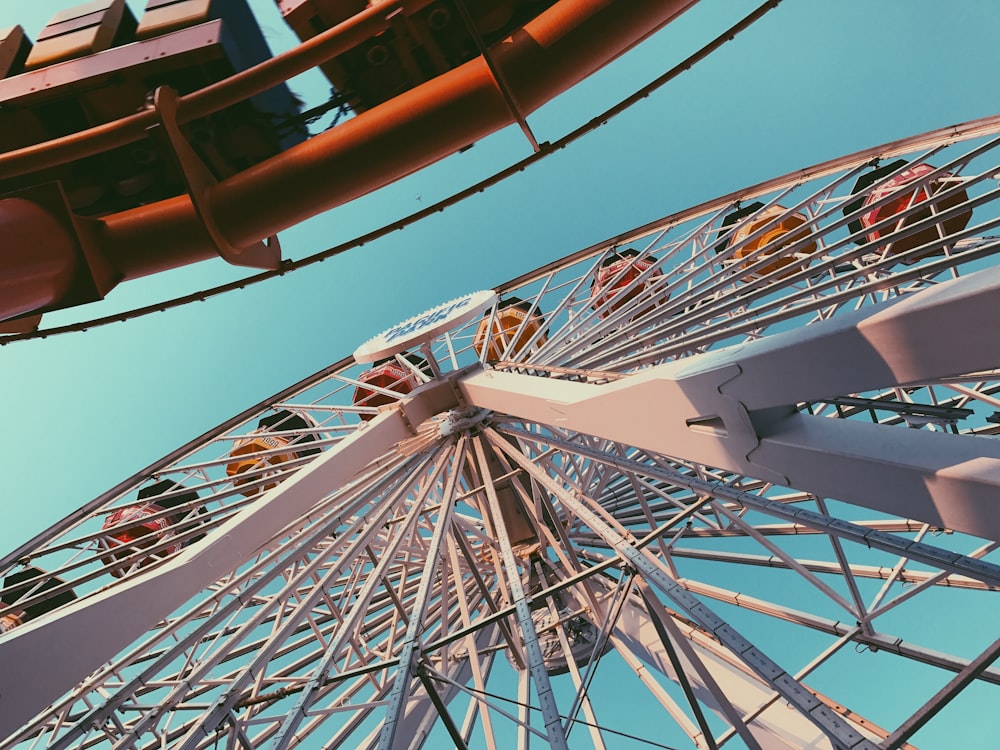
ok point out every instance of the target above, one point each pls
(199, 181)
(498, 75)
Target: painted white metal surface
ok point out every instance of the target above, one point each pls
(775, 728)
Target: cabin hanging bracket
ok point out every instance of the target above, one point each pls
(199, 181)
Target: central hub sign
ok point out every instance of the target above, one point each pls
(415, 331)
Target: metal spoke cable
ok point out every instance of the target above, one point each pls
(598, 652)
(529, 706)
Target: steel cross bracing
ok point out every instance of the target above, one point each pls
(654, 573)
(988, 573)
(464, 383)
(553, 724)
(374, 579)
(67, 658)
(843, 274)
(212, 717)
(648, 566)
(409, 655)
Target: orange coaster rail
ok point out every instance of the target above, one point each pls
(549, 54)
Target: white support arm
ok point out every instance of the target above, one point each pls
(941, 331)
(79, 638)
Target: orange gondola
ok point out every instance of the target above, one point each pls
(273, 443)
(780, 229)
(906, 198)
(515, 325)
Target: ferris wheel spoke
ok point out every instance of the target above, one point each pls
(699, 733)
(209, 635)
(703, 664)
(651, 570)
(916, 579)
(409, 645)
(739, 320)
(479, 670)
(964, 566)
(218, 650)
(239, 686)
(671, 641)
(922, 581)
(90, 630)
(757, 304)
(801, 451)
(883, 642)
(856, 609)
(447, 668)
(942, 697)
(490, 601)
(441, 674)
(583, 680)
(346, 629)
(553, 724)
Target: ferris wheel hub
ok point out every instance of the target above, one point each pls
(459, 420)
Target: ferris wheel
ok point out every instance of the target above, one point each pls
(703, 485)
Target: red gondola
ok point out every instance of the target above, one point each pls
(906, 198)
(391, 375)
(617, 272)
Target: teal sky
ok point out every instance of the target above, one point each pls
(813, 80)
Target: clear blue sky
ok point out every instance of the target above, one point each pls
(813, 80)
